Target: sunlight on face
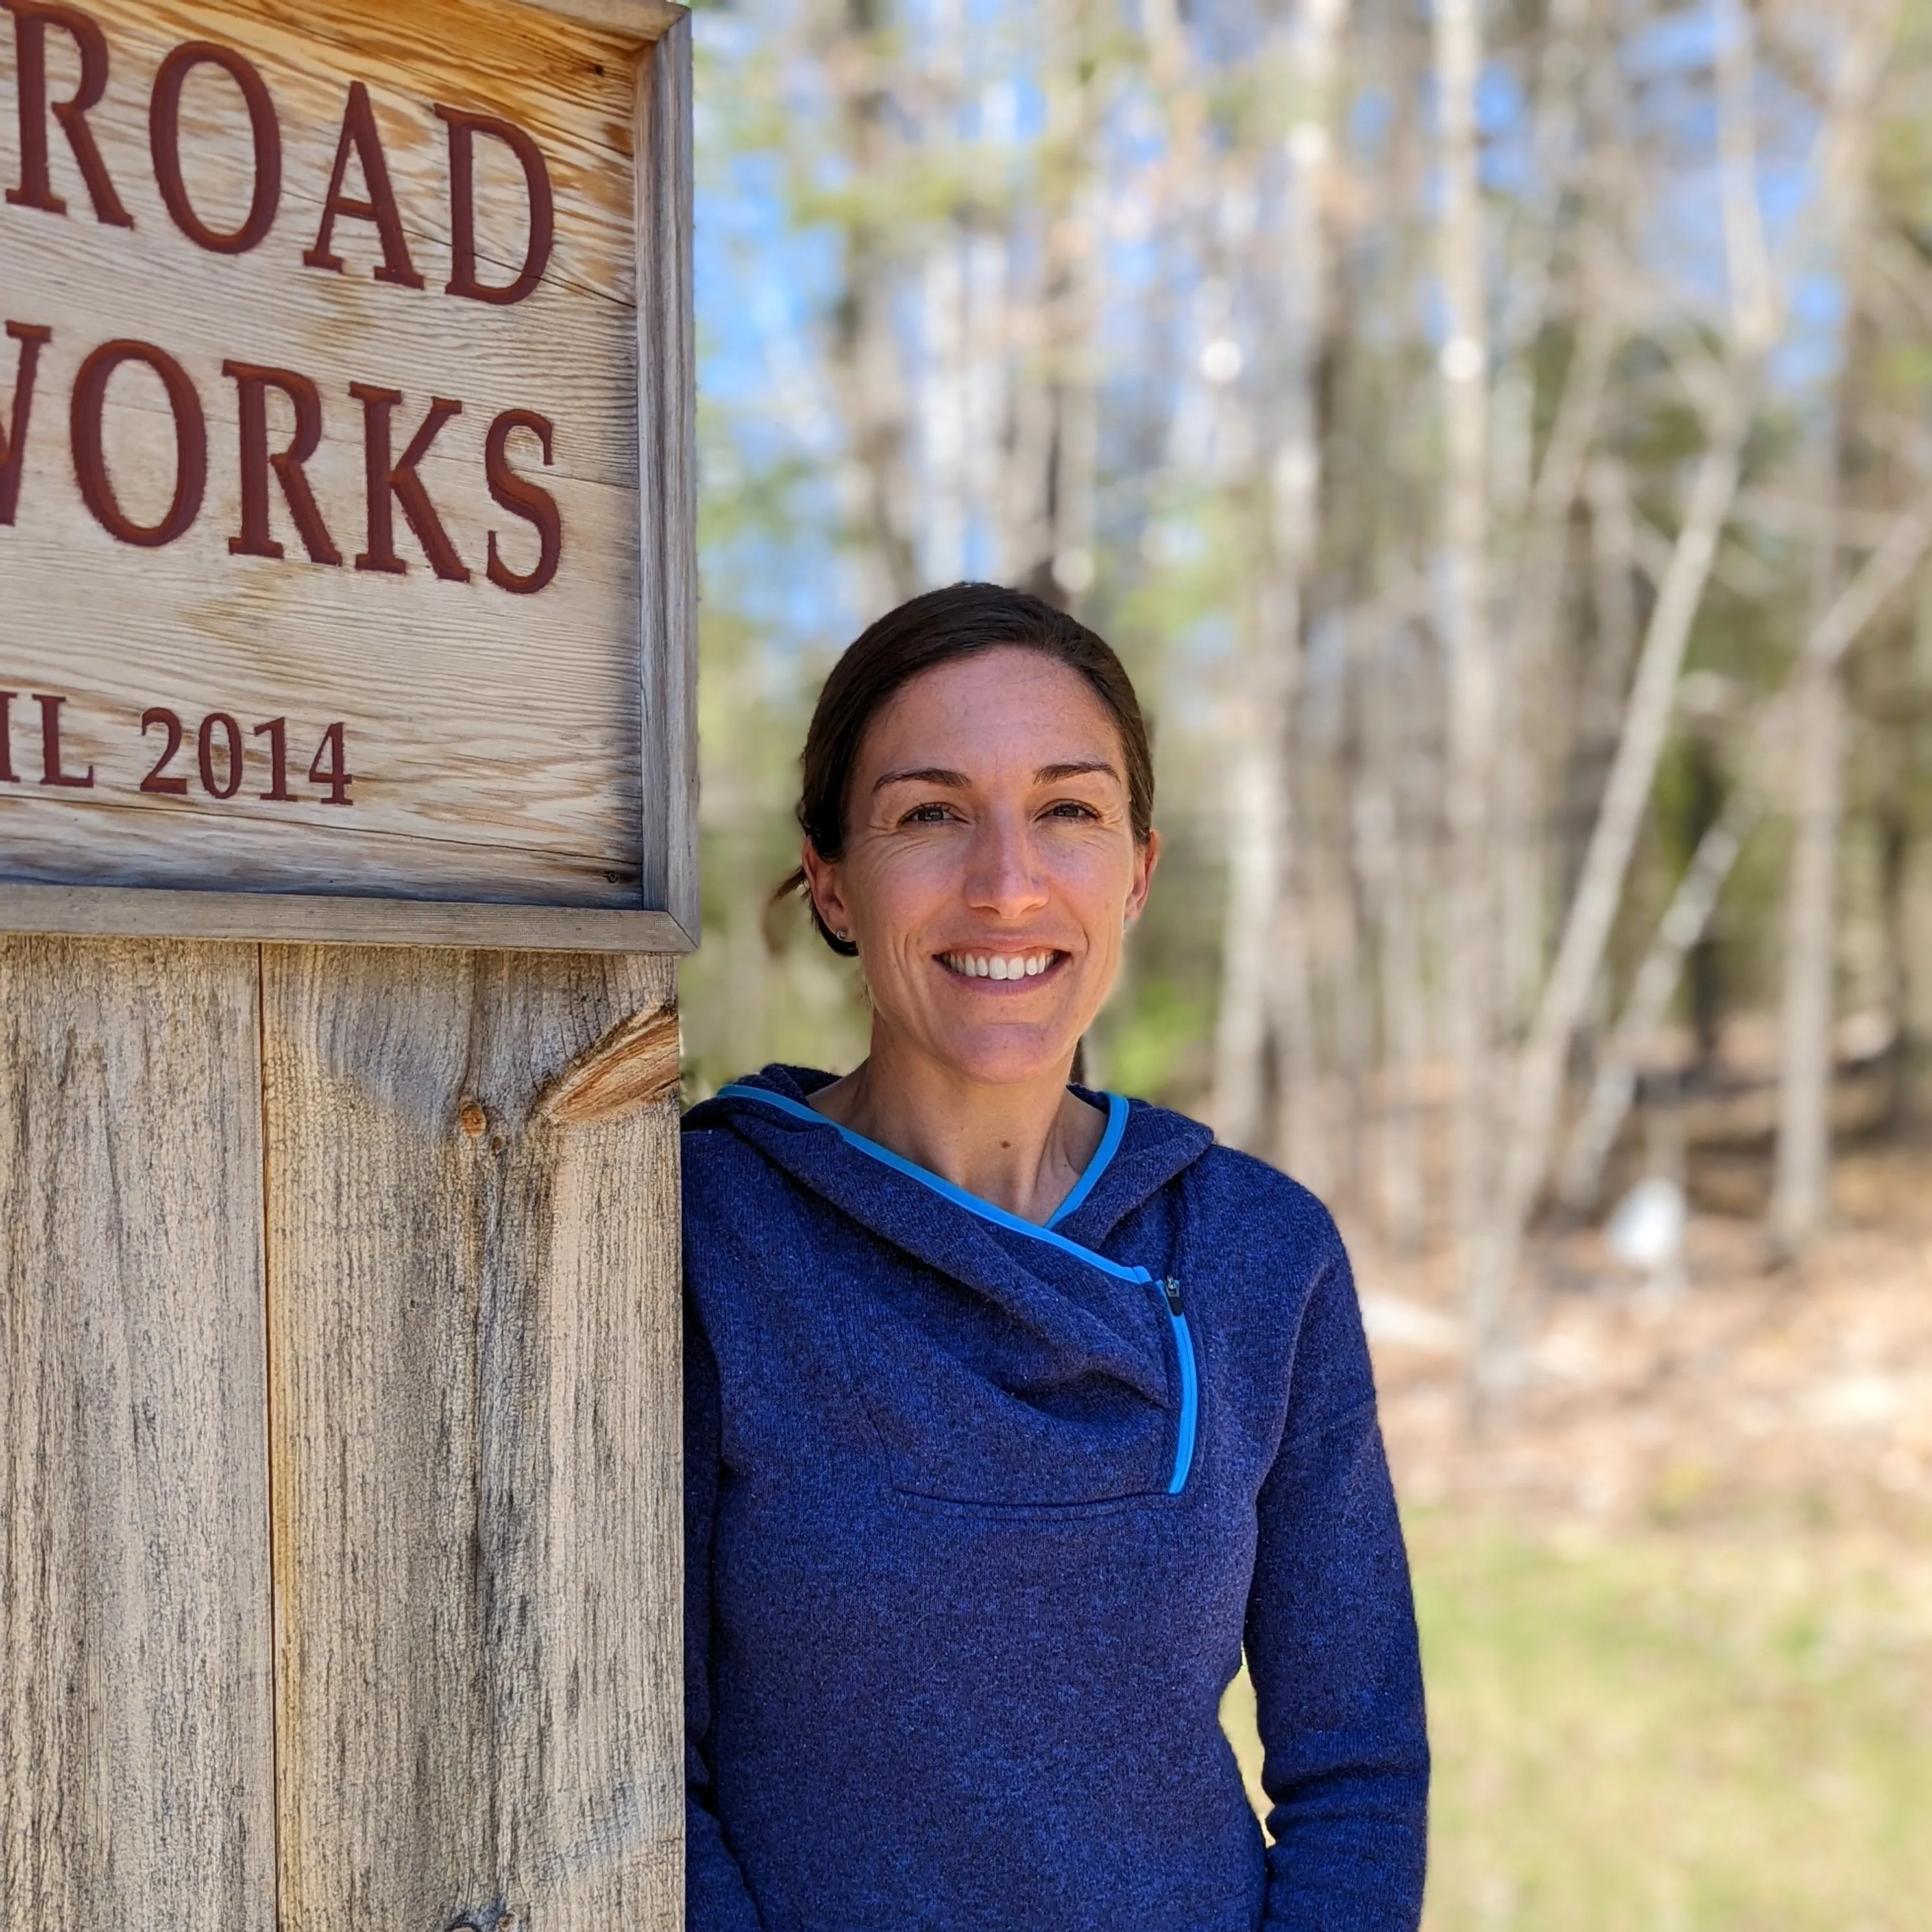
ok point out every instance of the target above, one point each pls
(990, 869)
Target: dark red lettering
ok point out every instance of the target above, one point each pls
(360, 138)
(522, 498)
(463, 280)
(392, 482)
(277, 732)
(7, 774)
(31, 19)
(90, 461)
(51, 771)
(164, 138)
(336, 774)
(204, 746)
(14, 441)
(157, 780)
(257, 538)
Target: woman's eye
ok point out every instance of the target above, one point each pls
(1071, 808)
(926, 815)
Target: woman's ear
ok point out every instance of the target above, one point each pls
(1146, 857)
(821, 877)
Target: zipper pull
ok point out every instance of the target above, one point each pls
(1171, 1289)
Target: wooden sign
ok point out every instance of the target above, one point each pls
(346, 479)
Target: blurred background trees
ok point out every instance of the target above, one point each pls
(1497, 434)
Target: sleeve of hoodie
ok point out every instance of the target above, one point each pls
(1331, 1643)
(716, 1897)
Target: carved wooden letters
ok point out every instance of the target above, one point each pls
(320, 418)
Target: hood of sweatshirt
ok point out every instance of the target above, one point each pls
(1000, 1362)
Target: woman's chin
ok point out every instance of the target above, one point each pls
(996, 1056)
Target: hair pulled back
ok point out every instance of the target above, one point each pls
(940, 628)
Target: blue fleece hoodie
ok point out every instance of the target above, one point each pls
(979, 1516)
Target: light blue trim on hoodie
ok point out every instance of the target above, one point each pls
(1110, 1142)
(1117, 1121)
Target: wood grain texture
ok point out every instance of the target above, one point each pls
(668, 389)
(499, 742)
(107, 909)
(636, 1064)
(646, 18)
(473, 1324)
(136, 1753)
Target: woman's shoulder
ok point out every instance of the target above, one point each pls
(728, 1176)
(710, 1149)
(1234, 1189)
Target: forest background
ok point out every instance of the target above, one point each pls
(1499, 438)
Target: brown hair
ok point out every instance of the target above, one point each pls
(940, 628)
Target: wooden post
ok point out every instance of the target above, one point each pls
(136, 1754)
(345, 848)
(474, 1432)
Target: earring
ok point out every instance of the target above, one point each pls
(844, 936)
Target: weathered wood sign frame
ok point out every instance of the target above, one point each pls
(340, 1523)
(491, 654)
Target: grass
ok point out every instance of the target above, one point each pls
(1671, 1731)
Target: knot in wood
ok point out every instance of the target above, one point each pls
(634, 1065)
(470, 1116)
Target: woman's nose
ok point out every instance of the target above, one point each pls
(1004, 875)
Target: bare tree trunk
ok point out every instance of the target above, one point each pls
(1469, 968)
(1534, 1117)
(1264, 971)
(875, 483)
(1254, 812)
(1384, 840)
(1302, 1129)
(1804, 1060)
(1799, 1199)
(1683, 925)
(1532, 503)
(1539, 1083)
(1688, 918)
(943, 397)
(1073, 296)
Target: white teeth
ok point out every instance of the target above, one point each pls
(999, 965)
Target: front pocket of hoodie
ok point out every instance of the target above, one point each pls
(974, 1409)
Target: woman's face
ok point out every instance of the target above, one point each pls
(990, 870)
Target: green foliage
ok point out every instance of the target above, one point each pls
(1664, 1731)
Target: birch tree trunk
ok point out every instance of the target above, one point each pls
(1264, 952)
(1469, 969)
(1535, 1116)
(1684, 924)
(1531, 502)
(1384, 839)
(874, 482)
(1799, 1200)
(1805, 1058)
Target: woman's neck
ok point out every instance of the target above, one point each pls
(1020, 1145)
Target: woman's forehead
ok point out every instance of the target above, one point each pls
(1000, 708)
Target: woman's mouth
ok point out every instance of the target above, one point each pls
(1027, 965)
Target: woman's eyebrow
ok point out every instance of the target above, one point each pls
(938, 775)
(923, 775)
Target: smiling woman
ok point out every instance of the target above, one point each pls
(1013, 1411)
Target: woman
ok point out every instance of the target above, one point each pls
(1012, 1410)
